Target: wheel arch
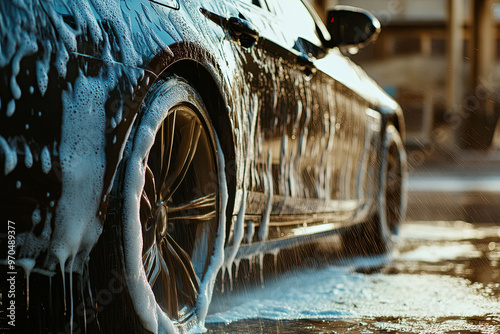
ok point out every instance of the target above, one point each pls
(394, 117)
(397, 118)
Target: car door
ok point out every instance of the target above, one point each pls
(305, 141)
(327, 137)
(295, 118)
(272, 113)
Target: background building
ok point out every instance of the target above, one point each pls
(441, 60)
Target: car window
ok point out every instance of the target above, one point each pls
(297, 19)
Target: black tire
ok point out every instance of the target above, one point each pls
(379, 233)
(166, 236)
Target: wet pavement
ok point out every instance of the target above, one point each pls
(466, 188)
(444, 277)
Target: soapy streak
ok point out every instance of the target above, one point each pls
(152, 317)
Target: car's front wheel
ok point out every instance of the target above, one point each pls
(171, 229)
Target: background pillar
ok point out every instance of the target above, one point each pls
(478, 118)
(454, 58)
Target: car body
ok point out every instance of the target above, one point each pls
(297, 135)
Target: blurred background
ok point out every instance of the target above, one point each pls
(440, 59)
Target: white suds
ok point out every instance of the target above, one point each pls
(217, 259)
(11, 108)
(42, 76)
(27, 265)
(10, 156)
(139, 289)
(46, 160)
(82, 156)
(264, 225)
(28, 157)
(36, 216)
(16, 91)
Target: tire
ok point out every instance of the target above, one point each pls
(379, 233)
(168, 227)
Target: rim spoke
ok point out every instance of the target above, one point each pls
(186, 260)
(201, 217)
(167, 287)
(167, 135)
(186, 279)
(151, 267)
(203, 209)
(189, 136)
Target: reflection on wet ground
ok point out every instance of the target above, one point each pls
(444, 278)
(475, 257)
(449, 325)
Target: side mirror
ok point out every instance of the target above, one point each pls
(352, 27)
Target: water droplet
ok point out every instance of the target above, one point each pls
(11, 107)
(46, 161)
(36, 216)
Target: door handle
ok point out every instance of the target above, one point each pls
(240, 29)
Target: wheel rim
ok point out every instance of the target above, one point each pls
(393, 191)
(179, 211)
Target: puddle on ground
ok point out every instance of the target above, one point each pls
(472, 325)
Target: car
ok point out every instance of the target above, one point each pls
(147, 145)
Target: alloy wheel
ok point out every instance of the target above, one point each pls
(179, 211)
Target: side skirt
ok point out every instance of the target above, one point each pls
(290, 231)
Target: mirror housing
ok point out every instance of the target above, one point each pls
(351, 27)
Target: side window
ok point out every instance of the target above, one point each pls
(298, 20)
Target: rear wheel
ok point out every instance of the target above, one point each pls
(379, 233)
(393, 189)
